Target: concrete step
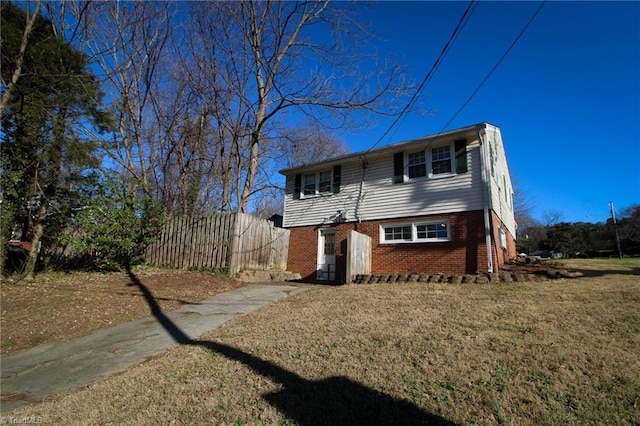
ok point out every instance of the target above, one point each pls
(284, 276)
(256, 276)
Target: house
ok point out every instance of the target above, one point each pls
(436, 204)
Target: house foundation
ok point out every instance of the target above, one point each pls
(465, 252)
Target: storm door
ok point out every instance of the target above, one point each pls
(326, 270)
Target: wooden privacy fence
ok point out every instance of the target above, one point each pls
(230, 242)
(358, 254)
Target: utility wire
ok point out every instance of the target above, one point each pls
(486, 78)
(504, 55)
(454, 35)
(461, 23)
(452, 38)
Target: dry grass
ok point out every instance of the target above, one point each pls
(59, 306)
(556, 352)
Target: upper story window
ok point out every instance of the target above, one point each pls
(441, 160)
(417, 162)
(324, 182)
(317, 183)
(310, 184)
(444, 160)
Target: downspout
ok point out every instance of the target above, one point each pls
(364, 163)
(486, 199)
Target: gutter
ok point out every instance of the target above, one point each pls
(387, 148)
(486, 199)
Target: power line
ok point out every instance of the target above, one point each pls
(454, 35)
(486, 78)
(461, 23)
(504, 55)
(445, 49)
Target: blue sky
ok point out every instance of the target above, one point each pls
(567, 97)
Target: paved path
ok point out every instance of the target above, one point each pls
(32, 375)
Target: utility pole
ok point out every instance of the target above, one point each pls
(615, 226)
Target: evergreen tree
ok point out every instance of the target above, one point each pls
(46, 157)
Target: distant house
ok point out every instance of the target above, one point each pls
(436, 204)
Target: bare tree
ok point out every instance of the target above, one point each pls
(128, 41)
(267, 68)
(9, 85)
(522, 203)
(308, 144)
(201, 113)
(552, 217)
(295, 147)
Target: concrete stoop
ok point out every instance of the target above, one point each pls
(257, 276)
(487, 278)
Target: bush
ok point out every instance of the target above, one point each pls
(116, 227)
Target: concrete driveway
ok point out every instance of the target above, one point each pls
(30, 376)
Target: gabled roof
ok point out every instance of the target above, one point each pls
(357, 156)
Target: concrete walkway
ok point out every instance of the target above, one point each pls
(37, 373)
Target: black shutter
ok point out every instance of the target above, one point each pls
(337, 171)
(297, 186)
(461, 155)
(398, 167)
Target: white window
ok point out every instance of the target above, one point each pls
(441, 160)
(503, 238)
(417, 232)
(431, 162)
(318, 183)
(398, 233)
(310, 184)
(324, 182)
(417, 164)
(433, 231)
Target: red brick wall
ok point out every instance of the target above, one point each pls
(465, 254)
(303, 251)
(501, 255)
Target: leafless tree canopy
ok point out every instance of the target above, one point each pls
(210, 99)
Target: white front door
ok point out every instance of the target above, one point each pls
(326, 270)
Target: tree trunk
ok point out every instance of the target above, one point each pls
(38, 231)
(243, 203)
(49, 188)
(3, 254)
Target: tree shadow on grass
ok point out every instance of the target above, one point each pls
(334, 400)
(595, 272)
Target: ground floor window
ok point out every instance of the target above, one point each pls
(503, 238)
(415, 232)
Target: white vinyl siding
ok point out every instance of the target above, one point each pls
(500, 186)
(380, 198)
(455, 193)
(314, 210)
